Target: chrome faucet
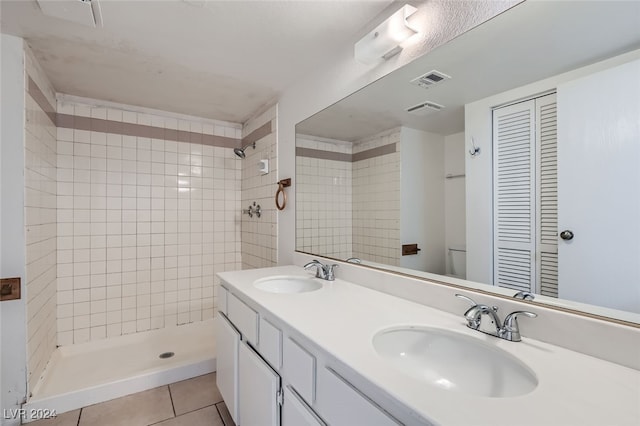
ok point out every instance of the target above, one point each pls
(524, 295)
(508, 331)
(324, 272)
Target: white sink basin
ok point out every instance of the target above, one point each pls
(454, 361)
(287, 284)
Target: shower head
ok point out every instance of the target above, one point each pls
(240, 151)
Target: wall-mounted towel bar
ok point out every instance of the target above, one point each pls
(450, 176)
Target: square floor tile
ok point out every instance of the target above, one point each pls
(139, 409)
(196, 393)
(207, 416)
(70, 418)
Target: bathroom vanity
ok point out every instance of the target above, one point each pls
(296, 350)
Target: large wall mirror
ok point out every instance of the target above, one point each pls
(506, 160)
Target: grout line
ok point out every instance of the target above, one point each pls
(171, 398)
(197, 409)
(220, 413)
(188, 412)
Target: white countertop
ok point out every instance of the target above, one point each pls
(342, 318)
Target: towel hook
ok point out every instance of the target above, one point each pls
(284, 183)
(475, 150)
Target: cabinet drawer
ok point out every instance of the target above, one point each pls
(300, 369)
(271, 344)
(295, 412)
(344, 405)
(222, 300)
(244, 318)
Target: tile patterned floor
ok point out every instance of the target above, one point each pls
(193, 402)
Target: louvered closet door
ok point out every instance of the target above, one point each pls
(514, 196)
(547, 196)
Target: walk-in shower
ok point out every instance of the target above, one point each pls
(88, 373)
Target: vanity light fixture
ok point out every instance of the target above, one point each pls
(384, 41)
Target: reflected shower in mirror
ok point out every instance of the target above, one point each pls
(503, 157)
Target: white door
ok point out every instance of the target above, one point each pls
(514, 196)
(259, 387)
(525, 196)
(227, 342)
(546, 142)
(599, 188)
(296, 413)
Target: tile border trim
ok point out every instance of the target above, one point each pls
(75, 122)
(375, 152)
(258, 134)
(349, 158)
(40, 99)
(323, 155)
(140, 130)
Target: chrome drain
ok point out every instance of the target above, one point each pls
(165, 355)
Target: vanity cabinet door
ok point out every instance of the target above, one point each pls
(341, 404)
(296, 413)
(259, 389)
(227, 342)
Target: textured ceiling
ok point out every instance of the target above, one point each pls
(214, 59)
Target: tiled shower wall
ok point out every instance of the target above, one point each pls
(324, 197)
(148, 213)
(40, 218)
(376, 199)
(260, 234)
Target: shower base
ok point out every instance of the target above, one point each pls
(89, 373)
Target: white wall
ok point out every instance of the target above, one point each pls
(439, 22)
(422, 199)
(454, 203)
(478, 169)
(12, 241)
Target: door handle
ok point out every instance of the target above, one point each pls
(566, 235)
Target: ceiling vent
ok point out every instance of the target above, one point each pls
(424, 108)
(84, 12)
(429, 79)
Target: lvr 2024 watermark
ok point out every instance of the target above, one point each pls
(32, 413)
